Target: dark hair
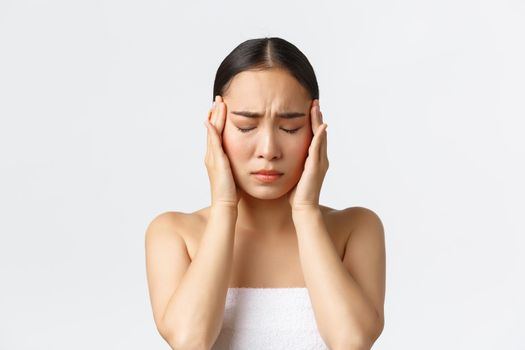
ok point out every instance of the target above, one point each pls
(266, 53)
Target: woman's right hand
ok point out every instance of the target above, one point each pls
(224, 191)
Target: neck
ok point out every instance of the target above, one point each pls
(264, 216)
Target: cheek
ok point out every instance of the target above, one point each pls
(232, 144)
(300, 147)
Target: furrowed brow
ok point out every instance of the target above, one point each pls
(283, 115)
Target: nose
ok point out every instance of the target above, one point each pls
(268, 145)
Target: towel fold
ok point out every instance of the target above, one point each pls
(269, 319)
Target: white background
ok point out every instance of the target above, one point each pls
(102, 104)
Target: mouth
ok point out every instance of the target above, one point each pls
(267, 178)
(267, 172)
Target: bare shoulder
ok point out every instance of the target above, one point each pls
(363, 212)
(176, 223)
(351, 216)
(164, 225)
(184, 227)
(163, 231)
(347, 212)
(352, 219)
(163, 220)
(360, 217)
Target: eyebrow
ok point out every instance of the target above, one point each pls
(284, 115)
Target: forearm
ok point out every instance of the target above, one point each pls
(345, 317)
(195, 311)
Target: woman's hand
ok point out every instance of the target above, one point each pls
(305, 194)
(224, 191)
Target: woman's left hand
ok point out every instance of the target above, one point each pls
(305, 194)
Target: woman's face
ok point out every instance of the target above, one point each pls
(266, 144)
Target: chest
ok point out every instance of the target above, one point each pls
(260, 261)
(269, 263)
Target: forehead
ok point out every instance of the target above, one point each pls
(266, 87)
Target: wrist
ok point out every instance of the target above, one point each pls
(223, 208)
(308, 208)
(305, 212)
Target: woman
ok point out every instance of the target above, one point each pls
(265, 265)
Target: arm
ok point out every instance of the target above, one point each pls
(347, 316)
(192, 317)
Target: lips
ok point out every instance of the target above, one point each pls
(267, 178)
(268, 172)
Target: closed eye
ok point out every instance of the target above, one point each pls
(292, 131)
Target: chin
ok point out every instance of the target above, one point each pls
(268, 195)
(267, 192)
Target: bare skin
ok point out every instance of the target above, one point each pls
(266, 235)
(264, 261)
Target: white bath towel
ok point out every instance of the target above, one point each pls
(269, 319)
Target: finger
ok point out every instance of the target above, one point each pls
(210, 122)
(316, 142)
(322, 138)
(324, 145)
(221, 121)
(219, 115)
(215, 142)
(210, 113)
(313, 117)
(208, 144)
(209, 150)
(316, 118)
(213, 120)
(322, 148)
